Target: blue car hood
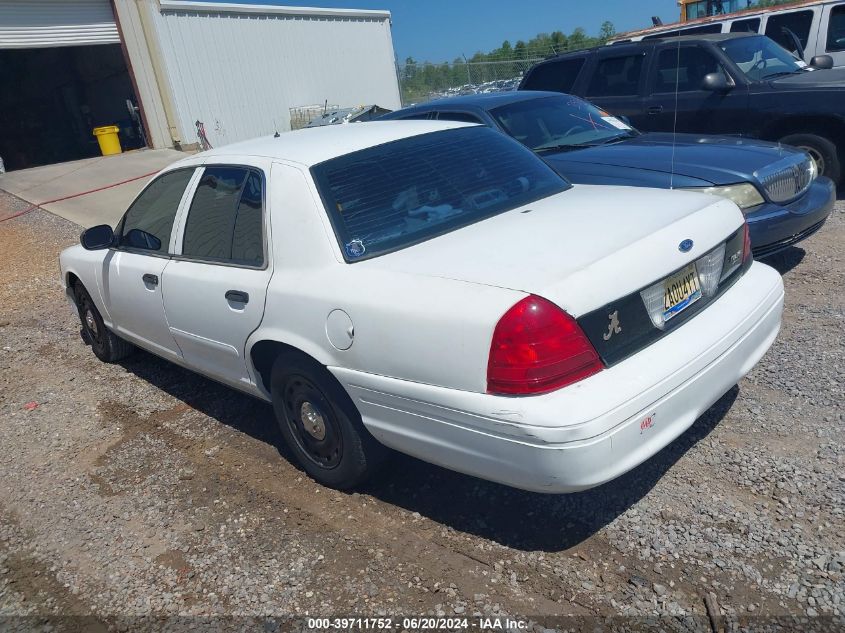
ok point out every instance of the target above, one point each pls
(716, 160)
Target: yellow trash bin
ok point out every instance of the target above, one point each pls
(108, 140)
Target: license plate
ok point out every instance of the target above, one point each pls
(680, 291)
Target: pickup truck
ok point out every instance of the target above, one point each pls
(727, 83)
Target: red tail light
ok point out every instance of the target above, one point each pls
(746, 244)
(537, 348)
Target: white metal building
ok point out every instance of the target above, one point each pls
(67, 66)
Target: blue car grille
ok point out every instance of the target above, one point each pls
(788, 178)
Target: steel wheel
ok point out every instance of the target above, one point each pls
(312, 422)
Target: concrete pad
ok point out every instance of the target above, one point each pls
(40, 184)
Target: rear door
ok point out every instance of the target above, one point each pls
(616, 80)
(682, 69)
(216, 284)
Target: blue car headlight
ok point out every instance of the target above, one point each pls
(744, 194)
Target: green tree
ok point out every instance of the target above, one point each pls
(607, 30)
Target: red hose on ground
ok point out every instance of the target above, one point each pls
(77, 195)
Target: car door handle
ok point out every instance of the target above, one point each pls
(150, 279)
(237, 296)
(655, 109)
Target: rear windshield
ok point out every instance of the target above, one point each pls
(391, 196)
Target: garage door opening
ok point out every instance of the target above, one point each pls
(52, 98)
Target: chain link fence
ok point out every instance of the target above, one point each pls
(421, 82)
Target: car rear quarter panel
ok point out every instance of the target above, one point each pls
(413, 327)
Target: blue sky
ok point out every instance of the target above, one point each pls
(440, 30)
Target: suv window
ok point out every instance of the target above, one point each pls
(687, 66)
(418, 116)
(751, 25)
(799, 22)
(148, 223)
(617, 76)
(224, 222)
(836, 29)
(465, 117)
(557, 76)
(693, 30)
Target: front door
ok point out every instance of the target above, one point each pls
(676, 94)
(214, 288)
(132, 271)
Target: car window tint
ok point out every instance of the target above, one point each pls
(687, 66)
(836, 29)
(616, 76)
(224, 221)
(751, 25)
(799, 22)
(464, 117)
(397, 194)
(148, 223)
(417, 116)
(557, 76)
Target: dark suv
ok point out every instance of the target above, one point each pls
(729, 83)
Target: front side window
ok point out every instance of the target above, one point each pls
(760, 58)
(148, 223)
(556, 76)
(617, 76)
(685, 67)
(836, 29)
(781, 26)
(559, 123)
(392, 196)
(224, 222)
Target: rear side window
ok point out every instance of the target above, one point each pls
(836, 29)
(751, 25)
(464, 117)
(395, 195)
(557, 76)
(617, 76)
(225, 221)
(687, 66)
(148, 223)
(798, 22)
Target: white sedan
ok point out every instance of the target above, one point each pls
(434, 288)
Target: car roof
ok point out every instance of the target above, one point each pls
(484, 101)
(311, 146)
(693, 37)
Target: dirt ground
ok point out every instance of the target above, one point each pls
(140, 489)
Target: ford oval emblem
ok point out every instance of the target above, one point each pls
(685, 246)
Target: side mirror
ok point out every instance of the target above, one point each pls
(715, 82)
(822, 62)
(97, 237)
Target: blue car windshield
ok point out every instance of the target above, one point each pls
(761, 58)
(559, 122)
(391, 196)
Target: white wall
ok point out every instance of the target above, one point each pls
(239, 69)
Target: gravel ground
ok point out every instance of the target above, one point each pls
(140, 489)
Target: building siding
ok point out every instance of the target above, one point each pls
(239, 72)
(51, 23)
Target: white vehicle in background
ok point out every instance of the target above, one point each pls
(438, 289)
(809, 29)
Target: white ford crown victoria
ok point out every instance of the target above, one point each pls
(435, 288)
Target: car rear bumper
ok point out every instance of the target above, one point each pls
(774, 227)
(595, 430)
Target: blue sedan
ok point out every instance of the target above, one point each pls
(776, 186)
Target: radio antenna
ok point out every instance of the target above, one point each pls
(675, 122)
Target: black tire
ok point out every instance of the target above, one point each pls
(107, 346)
(338, 451)
(823, 152)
